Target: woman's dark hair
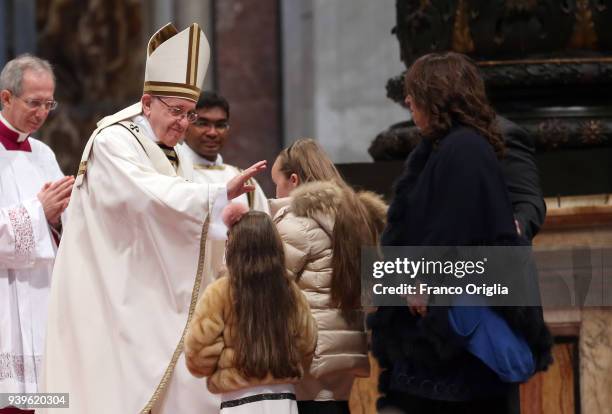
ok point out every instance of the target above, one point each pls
(448, 88)
(264, 310)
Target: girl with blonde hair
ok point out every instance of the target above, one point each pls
(323, 224)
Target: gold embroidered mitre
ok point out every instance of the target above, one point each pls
(177, 62)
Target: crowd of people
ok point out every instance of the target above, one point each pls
(162, 280)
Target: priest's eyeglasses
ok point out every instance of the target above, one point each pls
(179, 113)
(48, 105)
(204, 123)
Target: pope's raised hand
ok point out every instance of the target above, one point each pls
(238, 185)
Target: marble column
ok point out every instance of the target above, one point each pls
(24, 27)
(247, 66)
(299, 58)
(596, 361)
(337, 58)
(163, 12)
(586, 221)
(200, 12)
(3, 33)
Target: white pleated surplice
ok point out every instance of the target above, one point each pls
(27, 251)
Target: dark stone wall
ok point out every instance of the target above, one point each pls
(98, 53)
(547, 65)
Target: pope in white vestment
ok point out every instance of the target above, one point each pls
(129, 268)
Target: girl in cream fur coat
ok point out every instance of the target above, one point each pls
(324, 224)
(252, 333)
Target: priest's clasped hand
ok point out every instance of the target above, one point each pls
(54, 198)
(238, 185)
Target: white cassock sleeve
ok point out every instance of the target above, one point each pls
(24, 235)
(55, 173)
(127, 185)
(260, 202)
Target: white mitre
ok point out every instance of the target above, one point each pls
(177, 62)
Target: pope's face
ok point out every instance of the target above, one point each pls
(167, 116)
(28, 111)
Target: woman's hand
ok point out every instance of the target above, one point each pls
(418, 304)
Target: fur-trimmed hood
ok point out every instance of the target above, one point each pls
(306, 222)
(320, 201)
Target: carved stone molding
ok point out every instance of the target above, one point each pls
(544, 74)
(558, 133)
(395, 143)
(547, 64)
(549, 134)
(553, 133)
(502, 28)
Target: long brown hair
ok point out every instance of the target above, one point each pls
(264, 304)
(353, 226)
(448, 88)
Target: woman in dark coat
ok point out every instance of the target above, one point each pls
(452, 193)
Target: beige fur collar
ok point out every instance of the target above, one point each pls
(323, 198)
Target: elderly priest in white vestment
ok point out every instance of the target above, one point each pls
(129, 269)
(33, 195)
